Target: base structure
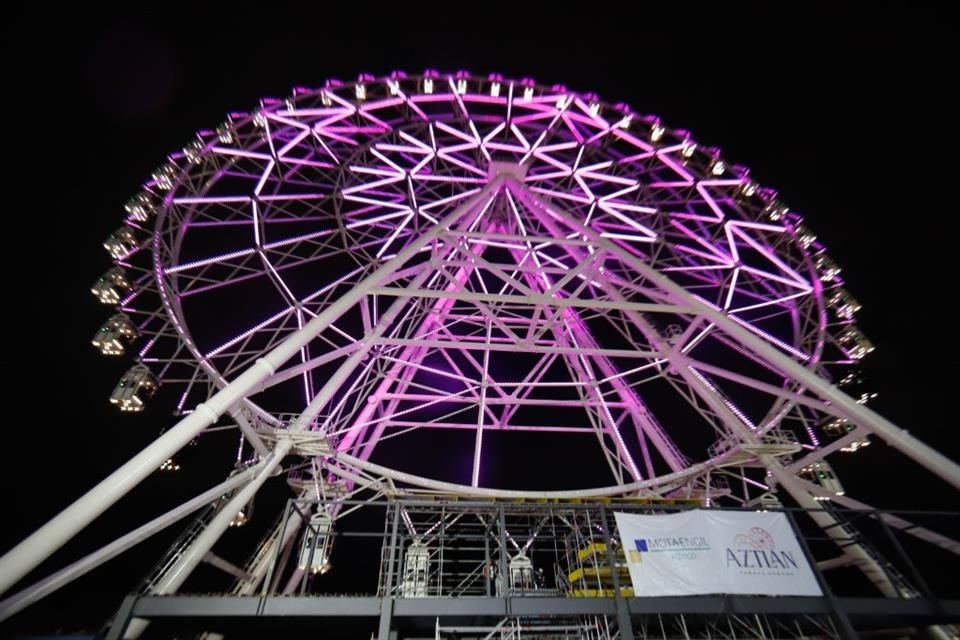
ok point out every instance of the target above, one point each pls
(519, 569)
(546, 617)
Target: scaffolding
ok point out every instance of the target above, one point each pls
(551, 570)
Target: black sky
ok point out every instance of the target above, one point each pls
(834, 107)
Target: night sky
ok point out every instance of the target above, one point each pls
(835, 108)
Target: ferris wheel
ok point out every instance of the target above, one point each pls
(418, 280)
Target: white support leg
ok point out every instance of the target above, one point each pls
(263, 561)
(870, 568)
(826, 521)
(172, 580)
(194, 554)
(65, 576)
(24, 557)
(859, 555)
(893, 435)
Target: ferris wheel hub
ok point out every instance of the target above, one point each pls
(514, 170)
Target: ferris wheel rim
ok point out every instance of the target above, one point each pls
(173, 302)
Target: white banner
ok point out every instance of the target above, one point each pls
(705, 551)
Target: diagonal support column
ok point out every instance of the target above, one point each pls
(682, 366)
(175, 577)
(172, 580)
(896, 437)
(48, 585)
(195, 553)
(42, 543)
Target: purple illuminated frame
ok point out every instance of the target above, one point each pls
(327, 187)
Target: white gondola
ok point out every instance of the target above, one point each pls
(317, 544)
(111, 286)
(135, 387)
(120, 243)
(116, 334)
